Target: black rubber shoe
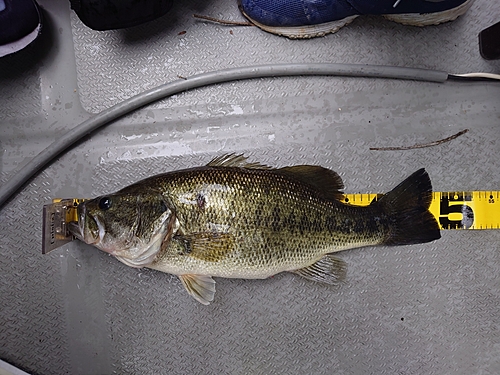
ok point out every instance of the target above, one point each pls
(118, 14)
(20, 25)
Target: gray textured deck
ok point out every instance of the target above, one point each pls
(422, 309)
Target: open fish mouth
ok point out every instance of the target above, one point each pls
(77, 228)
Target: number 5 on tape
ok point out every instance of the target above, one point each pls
(467, 209)
(455, 210)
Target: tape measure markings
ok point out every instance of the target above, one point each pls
(454, 209)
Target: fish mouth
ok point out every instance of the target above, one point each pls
(75, 229)
(78, 228)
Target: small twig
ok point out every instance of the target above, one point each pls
(222, 22)
(181, 77)
(444, 140)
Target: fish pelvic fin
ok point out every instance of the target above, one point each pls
(407, 207)
(200, 287)
(328, 270)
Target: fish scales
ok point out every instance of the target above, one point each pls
(237, 219)
(273, 221)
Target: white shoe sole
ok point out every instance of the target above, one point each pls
(412, 19)
(18, 45)
(307, 31)
(428, 19)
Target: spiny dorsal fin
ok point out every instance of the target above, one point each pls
(235, 160)
(328, 270)
(323, 179)
(200, 287)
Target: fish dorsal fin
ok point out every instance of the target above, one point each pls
(323, 179)
(200, 287)
(235, 160)
(328, 270)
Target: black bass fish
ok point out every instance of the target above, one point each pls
(236, 219)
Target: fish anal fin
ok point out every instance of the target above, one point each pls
(322, 179)
(207, 246)
(200, 287)
(235, 160)
(329, 270)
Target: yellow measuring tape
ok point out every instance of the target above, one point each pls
(454, 210)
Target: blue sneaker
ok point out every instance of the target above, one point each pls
(20, 25)
(310, 18)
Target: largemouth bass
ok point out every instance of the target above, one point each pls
(236, 219)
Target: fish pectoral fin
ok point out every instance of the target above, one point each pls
(207, 246)
(328, 270)
(200, 287)
(323, 179)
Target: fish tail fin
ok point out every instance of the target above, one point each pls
(407, 206)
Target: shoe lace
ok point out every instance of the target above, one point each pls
(396, 3)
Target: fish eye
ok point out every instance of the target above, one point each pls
(105, 203)
(163, 206)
